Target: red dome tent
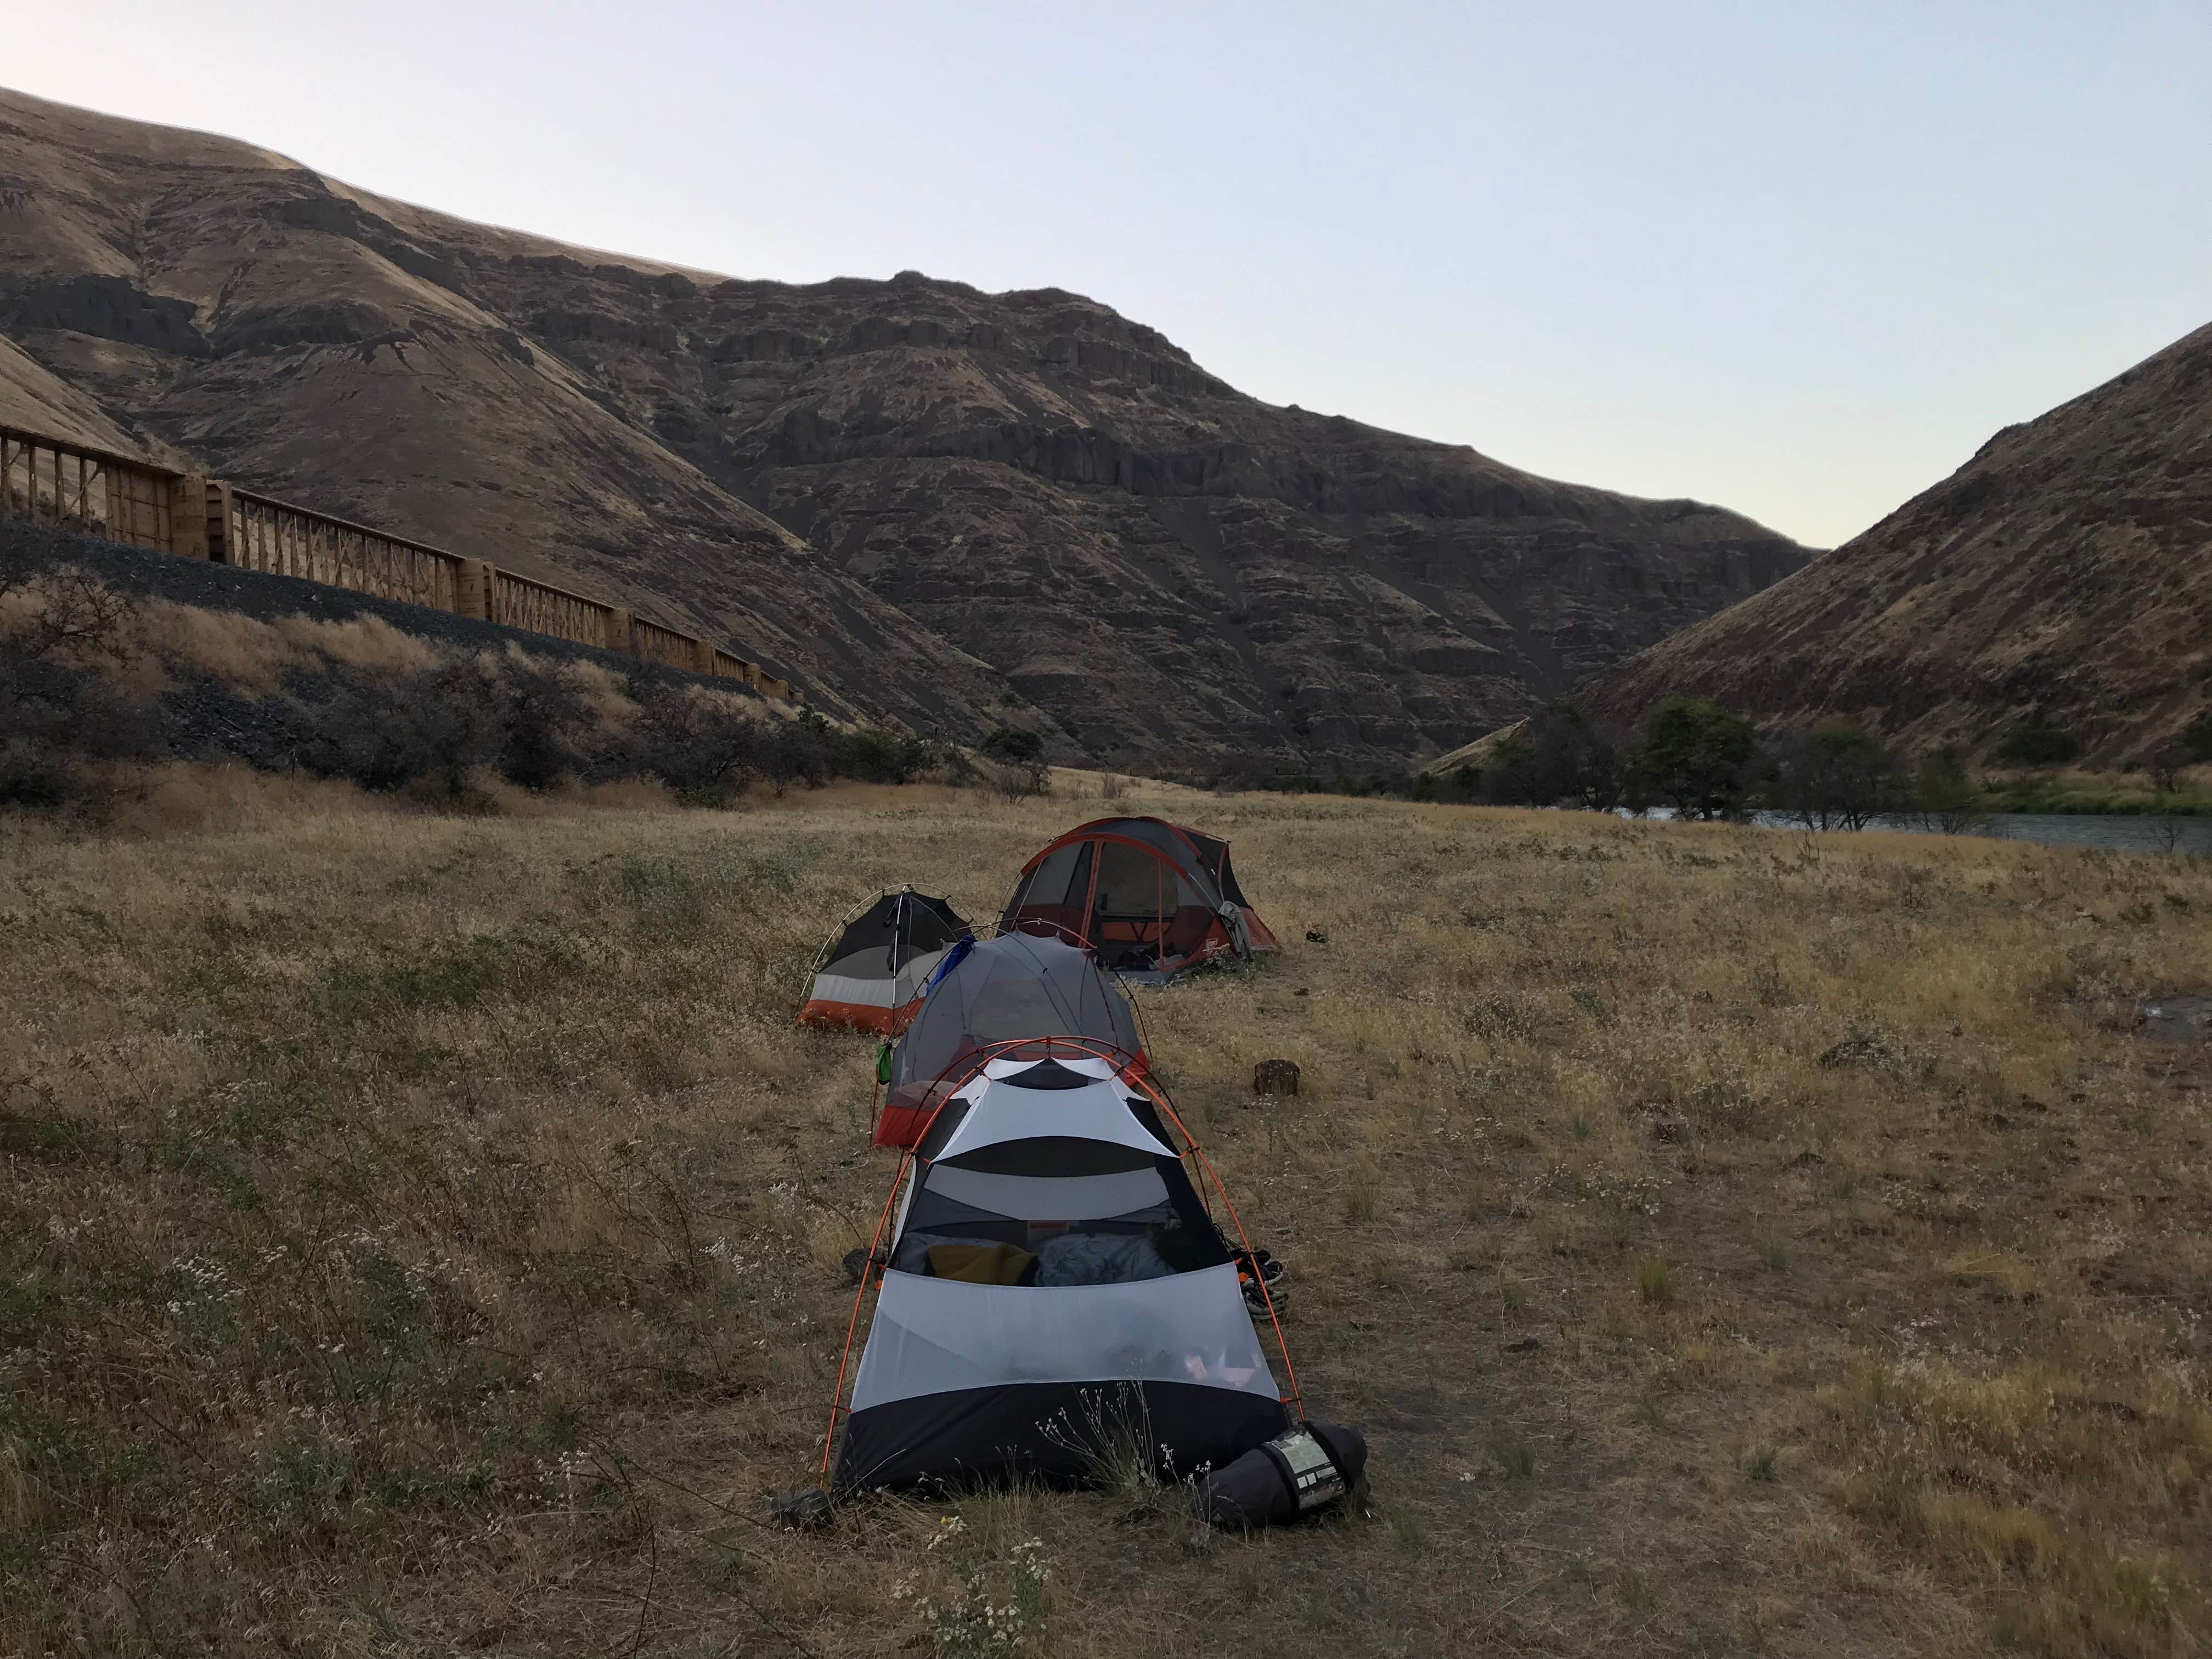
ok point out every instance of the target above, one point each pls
(1150, 899)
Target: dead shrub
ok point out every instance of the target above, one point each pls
(367, 643)
(385, 727)
(703, 744)
(1018, 780)
(61, 720)
(542, 715)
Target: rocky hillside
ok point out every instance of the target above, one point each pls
(931, 503)
(2064, 572)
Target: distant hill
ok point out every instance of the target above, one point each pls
(921, 501)
(2065, 572)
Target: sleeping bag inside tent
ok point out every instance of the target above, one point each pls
(870, 975)
(1017, 989)
(1153, 899)
(1053, 1288)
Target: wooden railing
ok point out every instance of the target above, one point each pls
(518, 602)
(656, 644)
(259, 534)
(57, 482)
(104, 494)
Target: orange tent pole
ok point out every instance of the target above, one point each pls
(867, 1272)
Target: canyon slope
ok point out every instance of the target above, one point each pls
(923, 502)
(2063, 574)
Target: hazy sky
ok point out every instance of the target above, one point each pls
(1800, 259)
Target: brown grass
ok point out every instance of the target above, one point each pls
(421, 1235)
(160, 639)
(254, 656)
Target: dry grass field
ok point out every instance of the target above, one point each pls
(421, 1235)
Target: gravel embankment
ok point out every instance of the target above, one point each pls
(266, 598)
(203, 717)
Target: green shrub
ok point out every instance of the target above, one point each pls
(2197, 739)
(1696, 757)
(1010, 743)
(1836, 775)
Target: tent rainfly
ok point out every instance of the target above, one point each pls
(1017, 988)
(1151, 899)
(1055, 1292)
(872, 973)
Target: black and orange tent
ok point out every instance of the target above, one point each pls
(871, 974)
(1148, 898)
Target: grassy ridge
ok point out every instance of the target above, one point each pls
(422, 1233)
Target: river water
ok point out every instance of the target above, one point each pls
(2113, 832)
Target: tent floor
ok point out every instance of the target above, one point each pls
(1059, 1433)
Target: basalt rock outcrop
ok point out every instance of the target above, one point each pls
(921, 501)
(2064, 576)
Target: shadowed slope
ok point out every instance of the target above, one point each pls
(1175, 574)
(2065, 570)
(308, 341)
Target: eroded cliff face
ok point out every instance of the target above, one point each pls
(2064, 571)
(921, 501)
(1164, 565)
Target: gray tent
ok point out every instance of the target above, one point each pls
(1017, 988)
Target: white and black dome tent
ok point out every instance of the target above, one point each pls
(871, 974)
(1051, 1265)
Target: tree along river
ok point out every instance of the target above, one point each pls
(2113, 832)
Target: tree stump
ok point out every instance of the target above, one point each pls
(1275, 1077)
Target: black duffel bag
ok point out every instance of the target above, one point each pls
(1309, 1468)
